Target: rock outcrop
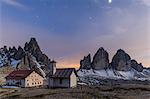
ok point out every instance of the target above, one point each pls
(29, 62)
(136, 66)
(19, 54)
(29, 57)
(86, 62)
(33, 48)
(100, 59)
(24, 64)
(121, 61)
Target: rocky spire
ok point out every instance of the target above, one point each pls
(100, 59)
(29, 62)
(121, 61)
(19, 54)
(136, 66)
(86, 62)
(33, 48)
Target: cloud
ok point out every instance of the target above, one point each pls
(144, 2)
(13, 3)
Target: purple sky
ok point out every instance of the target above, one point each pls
(69, 29)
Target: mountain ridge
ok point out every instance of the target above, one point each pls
(121, 67)
(120, 61)
(28, 57)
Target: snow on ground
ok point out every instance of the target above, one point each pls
(38, 66)
(14, 62)
(113, 74)
(9, 87)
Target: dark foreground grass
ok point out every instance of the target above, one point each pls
(84, 92)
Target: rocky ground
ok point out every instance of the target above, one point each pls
(80, 92)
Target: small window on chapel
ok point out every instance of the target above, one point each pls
(60, 81)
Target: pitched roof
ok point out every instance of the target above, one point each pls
(63, 73)
(19, 74)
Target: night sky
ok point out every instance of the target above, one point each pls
(66, 30)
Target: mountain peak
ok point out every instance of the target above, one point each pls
(33, 39)
(121, 61)
(14, 55)
(101, 48)
(100, 59)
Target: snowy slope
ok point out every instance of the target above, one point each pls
(38, 66)
(93, 76)
(5, 60)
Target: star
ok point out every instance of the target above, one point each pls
(110, 1)
(37, 16)
(90, 18)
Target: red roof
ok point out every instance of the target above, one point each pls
(19, 74)
(64, 73)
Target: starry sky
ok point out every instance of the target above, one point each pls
(67, 30)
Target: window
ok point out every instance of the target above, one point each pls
(32, 83)
(60, 81)
(35, 83)
(27, 84)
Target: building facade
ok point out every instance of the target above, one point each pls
(63, 78)
(24, 78)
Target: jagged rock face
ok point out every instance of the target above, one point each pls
(5, 57)
(12, 51)
(24, 63)
(136, 66)
(33, 48)
(31, 57)
(100, 59)
(28, 62)
(5, 49)
(86, 62)
(19, 54)
(121, 61)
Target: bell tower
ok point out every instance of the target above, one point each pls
(53, 65)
